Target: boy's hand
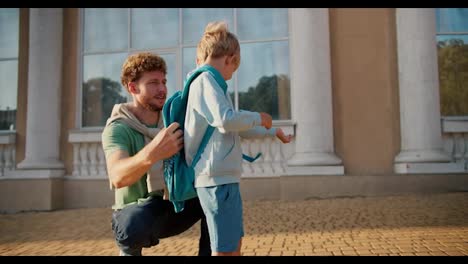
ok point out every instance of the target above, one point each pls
(266, 120)
(281, 136)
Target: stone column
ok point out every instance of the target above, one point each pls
(311, 90)
(44, 84)
(421, 136)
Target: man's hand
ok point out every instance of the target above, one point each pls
(167, 142)
(281, 136)
(124, 170)
(266, 120)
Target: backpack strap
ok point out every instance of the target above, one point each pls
(209, 130)
(250, 159)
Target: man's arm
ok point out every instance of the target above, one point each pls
(124, 170)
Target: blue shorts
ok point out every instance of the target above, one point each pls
(222, 206)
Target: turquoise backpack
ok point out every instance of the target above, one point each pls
(180, 177)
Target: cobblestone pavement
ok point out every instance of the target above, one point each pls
(435, 224)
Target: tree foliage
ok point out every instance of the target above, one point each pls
(7, 119)
(453, 76)
(264, 96)
(99, 97)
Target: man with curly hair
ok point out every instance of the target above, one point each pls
(135, 142)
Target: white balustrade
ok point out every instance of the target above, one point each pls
(88, 155)
(7, 152)
(455, 138)
(272, 162)
(89, 159)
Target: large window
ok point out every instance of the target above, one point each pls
(110, 35)
(452, 46)
(9, 42)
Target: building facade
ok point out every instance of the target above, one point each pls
(363, 91)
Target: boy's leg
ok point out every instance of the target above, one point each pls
(204, 248)
(238, 251)
(223, 209)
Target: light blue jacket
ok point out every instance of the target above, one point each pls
(221, 161)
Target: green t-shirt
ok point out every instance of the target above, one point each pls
(118, 136)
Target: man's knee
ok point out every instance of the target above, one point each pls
(135, 229)
(136, 236)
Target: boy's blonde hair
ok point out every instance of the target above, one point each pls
(217, 41)
(137, 64)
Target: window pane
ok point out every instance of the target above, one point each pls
(453, 74)
(452, 20)
(196, 19)
(171, 73)
(263, 78)
(155, 28)
(261, 23)
(8, 92)
(101, 87)
(105, 29)
(189, 58)
(9, 32)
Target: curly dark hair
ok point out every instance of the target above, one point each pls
(137, 64)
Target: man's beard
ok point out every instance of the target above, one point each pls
(150, 106)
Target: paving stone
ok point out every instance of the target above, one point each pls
(409, 225)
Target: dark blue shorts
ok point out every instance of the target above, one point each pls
(142, 225)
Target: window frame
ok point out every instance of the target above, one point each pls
(445, 33)
(3, 59)
(176, 50)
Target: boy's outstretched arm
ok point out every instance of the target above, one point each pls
(259, 132)
(281, 136)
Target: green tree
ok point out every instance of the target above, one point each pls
(7, 119)
(99, 97)
(453, 77)
(264, 96)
